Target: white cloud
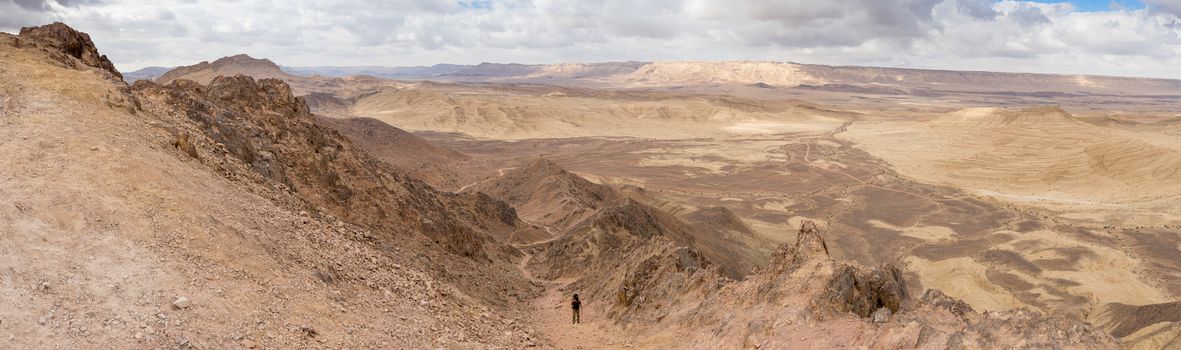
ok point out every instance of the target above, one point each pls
(1169, 6)
(952, 34)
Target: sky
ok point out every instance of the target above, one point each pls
(1104, 37)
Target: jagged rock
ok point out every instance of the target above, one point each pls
(850, 288)
(809, 246)
(957, 307)
(263, 125)
(861, 292)
(59, 36)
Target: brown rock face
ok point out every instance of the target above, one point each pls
(850, 288)
(809, 246)
(263, 126)
(957, 307)
(62, 38)
(862, 291)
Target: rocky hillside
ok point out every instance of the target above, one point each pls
(423, 160)
(272, 132)
(545, 194)
(804, 299)
(221, 216)
(729, 240)
(595, 222)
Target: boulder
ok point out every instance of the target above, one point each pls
(861, 292)
(61, 38)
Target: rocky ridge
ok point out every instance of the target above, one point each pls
(806, 299)
(211, 217)
(546, 194)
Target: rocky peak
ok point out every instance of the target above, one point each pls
(61, 38)
(634, 218)
(548, 195)
(936, 298)
(543, 166)
(264, 94)
(204, 72)
(809, 246)
(849, 288)
(243, 60)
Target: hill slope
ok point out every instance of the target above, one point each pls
(419, 158)
(547, 195)
(110, 219)
(205, 71)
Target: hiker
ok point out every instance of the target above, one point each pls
(576, 305)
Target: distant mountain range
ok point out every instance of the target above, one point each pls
(675, 74)
(379, 71)
(148, 73)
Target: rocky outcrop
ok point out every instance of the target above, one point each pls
(644, 275)
(861, 292)
(809, 246)
(263, 126)
(936, 298)
(611, 233)
(805, 299)
(60, 38)
(848, 288)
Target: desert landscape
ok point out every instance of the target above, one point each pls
(237, 203)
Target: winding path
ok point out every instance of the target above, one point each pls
(550, 313)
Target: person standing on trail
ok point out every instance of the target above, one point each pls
(576, 305)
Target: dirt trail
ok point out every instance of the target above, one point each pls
(499, 172)
(551, 315)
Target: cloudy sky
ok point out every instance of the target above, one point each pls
(1112, 37)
